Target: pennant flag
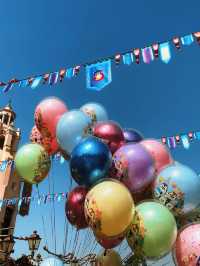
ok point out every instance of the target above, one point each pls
(62, 73)
(23, 83)
(197, 36)
(185, 141)
(53, 78)
(176, 41)
(187, 39)
(197, 135)
(128, 59)
(62, 160)
(76, 70)
(69, 73)
(98, 75)
(165, 52)
(117, 59)
(155, 47)
(3, 165)
(7, 87)
(172, 142)
(59, 197)
(19, 203)
(147, 55)
(137, 55)
(36, 82)
(46, 78)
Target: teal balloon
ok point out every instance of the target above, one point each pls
(95, 111)
(52, 262)
(72, 127)
(178, 188)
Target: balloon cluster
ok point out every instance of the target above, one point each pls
(128, 187)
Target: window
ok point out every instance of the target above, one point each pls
(2, 139)
(6, 118)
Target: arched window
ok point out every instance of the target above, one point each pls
(6, 119)
(2, 139)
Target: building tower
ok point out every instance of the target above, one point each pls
(9, 181)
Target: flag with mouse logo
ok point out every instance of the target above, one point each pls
(98, 75)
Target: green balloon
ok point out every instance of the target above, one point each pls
(109, 257)
(153, 231)
(32, 163)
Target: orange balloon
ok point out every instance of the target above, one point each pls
(159, 153)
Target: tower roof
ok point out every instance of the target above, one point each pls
(8, 108)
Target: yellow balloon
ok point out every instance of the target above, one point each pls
(108, 258)
(109, 208)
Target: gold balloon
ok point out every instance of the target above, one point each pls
(109, 258)
(109, 208)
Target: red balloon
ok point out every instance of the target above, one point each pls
(51, 146)
(74, 207)
(47, 114)
(109, 243)
(111, 133)
(159, 153)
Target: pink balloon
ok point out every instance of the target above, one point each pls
(187, 247)
(47, 114)
(35, 136)
(50, 145)
(159, 153)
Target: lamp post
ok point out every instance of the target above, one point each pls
(34, 243)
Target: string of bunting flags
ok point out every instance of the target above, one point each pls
(183, 138)
(42, 199)
(98, 73)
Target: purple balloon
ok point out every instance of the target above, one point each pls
(132, 135)
(134, 167)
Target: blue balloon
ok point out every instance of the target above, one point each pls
(95, 111)
(90, 161)
(178, 188)
(72, 127)
(52, 262)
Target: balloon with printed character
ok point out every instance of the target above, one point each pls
(32, 163)
(186, 251)
(177, 187)
(95, 111)
(135, 167)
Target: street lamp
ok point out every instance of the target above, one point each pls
(34, 243)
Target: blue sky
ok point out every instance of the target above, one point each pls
(158, 99)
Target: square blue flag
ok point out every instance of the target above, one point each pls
(98, 75)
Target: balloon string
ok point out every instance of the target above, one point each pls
(51, 217)
(76, 241)
(54, 211)
(80, 242)
(41, 214)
